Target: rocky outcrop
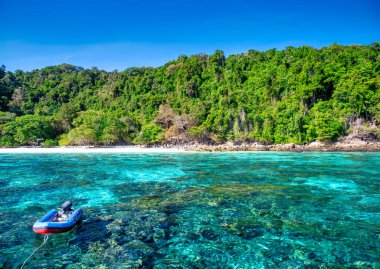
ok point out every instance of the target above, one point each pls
(346, 144)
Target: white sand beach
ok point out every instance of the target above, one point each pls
(122, 149)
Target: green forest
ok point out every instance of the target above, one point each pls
(294, 95)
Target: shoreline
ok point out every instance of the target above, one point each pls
(351, 146)
(311, 147)
(88, 149)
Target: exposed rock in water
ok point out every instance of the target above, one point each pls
(350, 143)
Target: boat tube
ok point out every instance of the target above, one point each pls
(58, 221)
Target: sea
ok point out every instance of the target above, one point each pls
(194, 210)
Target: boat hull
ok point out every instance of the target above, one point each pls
(45, 225)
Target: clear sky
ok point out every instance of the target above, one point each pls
(116, 34)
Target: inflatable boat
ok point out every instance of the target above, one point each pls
(58, 221)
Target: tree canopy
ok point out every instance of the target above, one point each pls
(295, 95)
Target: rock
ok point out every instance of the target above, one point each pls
(209, 234)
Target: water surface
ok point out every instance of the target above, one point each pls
(195, 210)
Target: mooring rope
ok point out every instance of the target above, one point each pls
(46, 237)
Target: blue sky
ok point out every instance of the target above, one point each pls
(118, 34)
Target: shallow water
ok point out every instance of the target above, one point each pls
(195, 210)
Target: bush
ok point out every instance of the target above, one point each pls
(27, 130)
(6, 141)
(98, 127)
(323, 126)
(63, 140)
(150, 133)
(50, 143)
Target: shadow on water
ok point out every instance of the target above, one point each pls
(90, 230)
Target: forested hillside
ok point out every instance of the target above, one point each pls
(295, 95)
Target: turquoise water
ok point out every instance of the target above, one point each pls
(195, 210)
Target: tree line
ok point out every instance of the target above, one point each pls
(295, 95)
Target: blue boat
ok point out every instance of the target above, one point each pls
(58, 221)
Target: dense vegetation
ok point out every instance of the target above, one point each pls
(294, 95)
